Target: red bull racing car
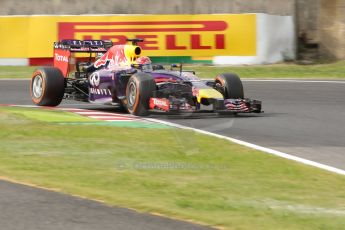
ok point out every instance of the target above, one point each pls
(97, 71)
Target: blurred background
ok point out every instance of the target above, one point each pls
(317, 31)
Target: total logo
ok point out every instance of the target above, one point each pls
(159, 103)
(95, 79)
(61, 58)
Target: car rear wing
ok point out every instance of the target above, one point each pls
(63, 52)
(84, 46)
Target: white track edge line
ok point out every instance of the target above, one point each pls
(243, 79)
(86, 113)
(15, 79)
(111, 117)
(293, 81)
(118, 120)
(256, 147)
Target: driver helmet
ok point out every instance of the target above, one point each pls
(146, 64)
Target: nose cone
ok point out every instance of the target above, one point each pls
(209, 93)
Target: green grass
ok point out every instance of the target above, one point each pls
(175, 172)
(48, 115)
(16, 71)
(319, 71)
(334, 70)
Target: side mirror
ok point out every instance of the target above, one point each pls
(172, 66)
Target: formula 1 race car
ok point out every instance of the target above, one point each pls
(97, 71)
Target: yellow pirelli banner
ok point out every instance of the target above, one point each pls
(164, 35)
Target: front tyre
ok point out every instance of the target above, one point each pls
(138, 93)
(47, 86)
(230, 86)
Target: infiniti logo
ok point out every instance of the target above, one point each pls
(95, 79)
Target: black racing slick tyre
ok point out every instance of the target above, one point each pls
(231, 85)
(140, 88)
(47, 86)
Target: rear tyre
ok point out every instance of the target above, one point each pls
(231, 85)
(47, 86)
(139, 90)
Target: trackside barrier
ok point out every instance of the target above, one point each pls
(217, 38)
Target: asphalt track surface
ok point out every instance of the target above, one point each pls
(305, 119)
(23, 207)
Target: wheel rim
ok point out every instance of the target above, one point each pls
(221, 88)
(132, 94)
(37, 86)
